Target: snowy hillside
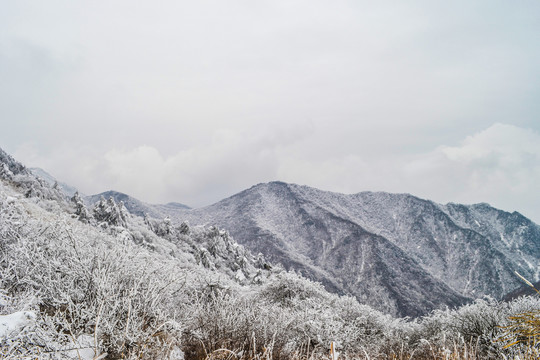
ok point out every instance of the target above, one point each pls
(68, 190)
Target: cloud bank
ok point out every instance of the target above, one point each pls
(499, 165)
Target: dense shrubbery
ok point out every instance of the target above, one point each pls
(150, 289)
(82, 282)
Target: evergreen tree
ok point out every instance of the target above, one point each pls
(80, 209)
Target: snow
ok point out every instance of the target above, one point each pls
(12, 324)
(10, 199)
(85, 349)
(504, 240)
(3, 298)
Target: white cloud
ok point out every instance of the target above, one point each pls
(499, 165)
(501, 146)
(224, 163)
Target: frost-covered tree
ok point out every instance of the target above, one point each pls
(183, 228)
(148, 222)
(108, 212)
(9, 167)
(164, 228)
(80, 208)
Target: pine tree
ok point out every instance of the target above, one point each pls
(80, 209)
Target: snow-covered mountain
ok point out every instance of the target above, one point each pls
(137, 207)
(395, 252)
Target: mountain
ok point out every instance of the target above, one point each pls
(400, 254)
(395, 252)
(137, 207)
(101, 283)
(68, 190)
(19, 176)
(525, 290)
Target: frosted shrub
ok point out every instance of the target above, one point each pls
(472, 327)
(11, 225)
(315, 318)
(220, 319)
(287, 288)
(520, 334)
(478, 320)
(360, 327)
(242, 322)
(90, 283)
(524, 304)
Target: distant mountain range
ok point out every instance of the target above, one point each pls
(398, 253)
(137, 207)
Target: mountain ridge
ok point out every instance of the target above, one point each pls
(396, 252)
(467, 249)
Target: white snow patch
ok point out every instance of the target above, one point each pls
(531, 266)
(11, 200)
(503, 239)
(176, 354)
(13, 324)
(85, 349)
(3, 298)
(240, 275)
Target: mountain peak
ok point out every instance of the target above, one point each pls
(433, 255)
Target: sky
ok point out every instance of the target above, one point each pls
(195, 101)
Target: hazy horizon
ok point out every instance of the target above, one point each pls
(194, 102)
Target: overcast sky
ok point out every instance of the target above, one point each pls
(195, 101)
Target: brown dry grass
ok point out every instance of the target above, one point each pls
(522, 335)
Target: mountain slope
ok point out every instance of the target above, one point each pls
(396, 252)
(68, 190)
